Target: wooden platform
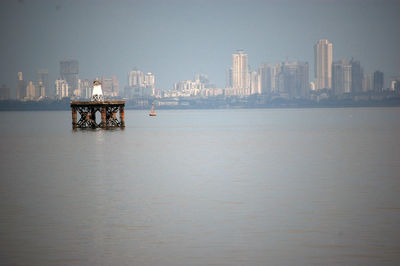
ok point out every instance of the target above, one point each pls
(107, 109)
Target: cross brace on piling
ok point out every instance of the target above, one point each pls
(107, 109)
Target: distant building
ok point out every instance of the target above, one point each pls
(240, 73)
(199, 86)
(42, 83)
(5, 93)
(136, 78)
(368, 83)
(115, 86)
(265, 72)
(323, 64)
(229, 78)
(85, 88)
(21, 87)
(255, 84)
(378, 81)
(30, 91)
(293, 80)
(395, 84)
(341, 77)
(275, 74)
(69, 70)
(149, 80)
(312, 86)
(347, 77)
(62, 88)
(356, 76)
(140, 84)
(107, 86)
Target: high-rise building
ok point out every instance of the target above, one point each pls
(85, 88)
(62, 88)
(276, 78)
(347, 77)
(240, 73)
(110, 86)
(255, 85)
(378, 81)
(5, 93)
(107, 86)
(149, 80)
(293, 81)
(337, 77)
(43, 82)
(69, 70)
(115, 85)
(139, 84)
(368, 82)
(341, 77)
(356, 76)
(395, 84)
(136, 78)
(265, 72)
(21, 87)
(323, 64)
(228, 81)
(30, 91)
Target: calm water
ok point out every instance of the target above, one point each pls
(202, 187)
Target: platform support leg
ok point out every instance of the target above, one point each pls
(122, 115)
(74, 117)
(103, 117)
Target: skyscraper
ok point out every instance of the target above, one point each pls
(43, 82)
(356, 76)
(341, 77)
(136, 78)
(368, 82)
(266, 78)
(378, 81)
(255, 85)
(69, 70)
(292, 80)
(276, 70)
(149, 80)
(30, 91)
(228, 81)
(21, 87)
(240, 73)
(323, 64)
(115, 84)
(107, 86)
(4, 92)
(62, 88)
(85, 88)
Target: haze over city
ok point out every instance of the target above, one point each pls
(177, 39)
(199, 132)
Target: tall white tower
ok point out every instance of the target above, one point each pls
(323, 64)
(240, 73)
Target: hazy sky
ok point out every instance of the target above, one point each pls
(175, 39)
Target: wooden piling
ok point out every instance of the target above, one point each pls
(74, 116)
(103, 117)
(122, 116)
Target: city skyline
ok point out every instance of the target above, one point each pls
(287, 79)
(174, 40)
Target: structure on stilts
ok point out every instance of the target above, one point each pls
(107, 109)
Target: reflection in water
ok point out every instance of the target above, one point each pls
(229, 187)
